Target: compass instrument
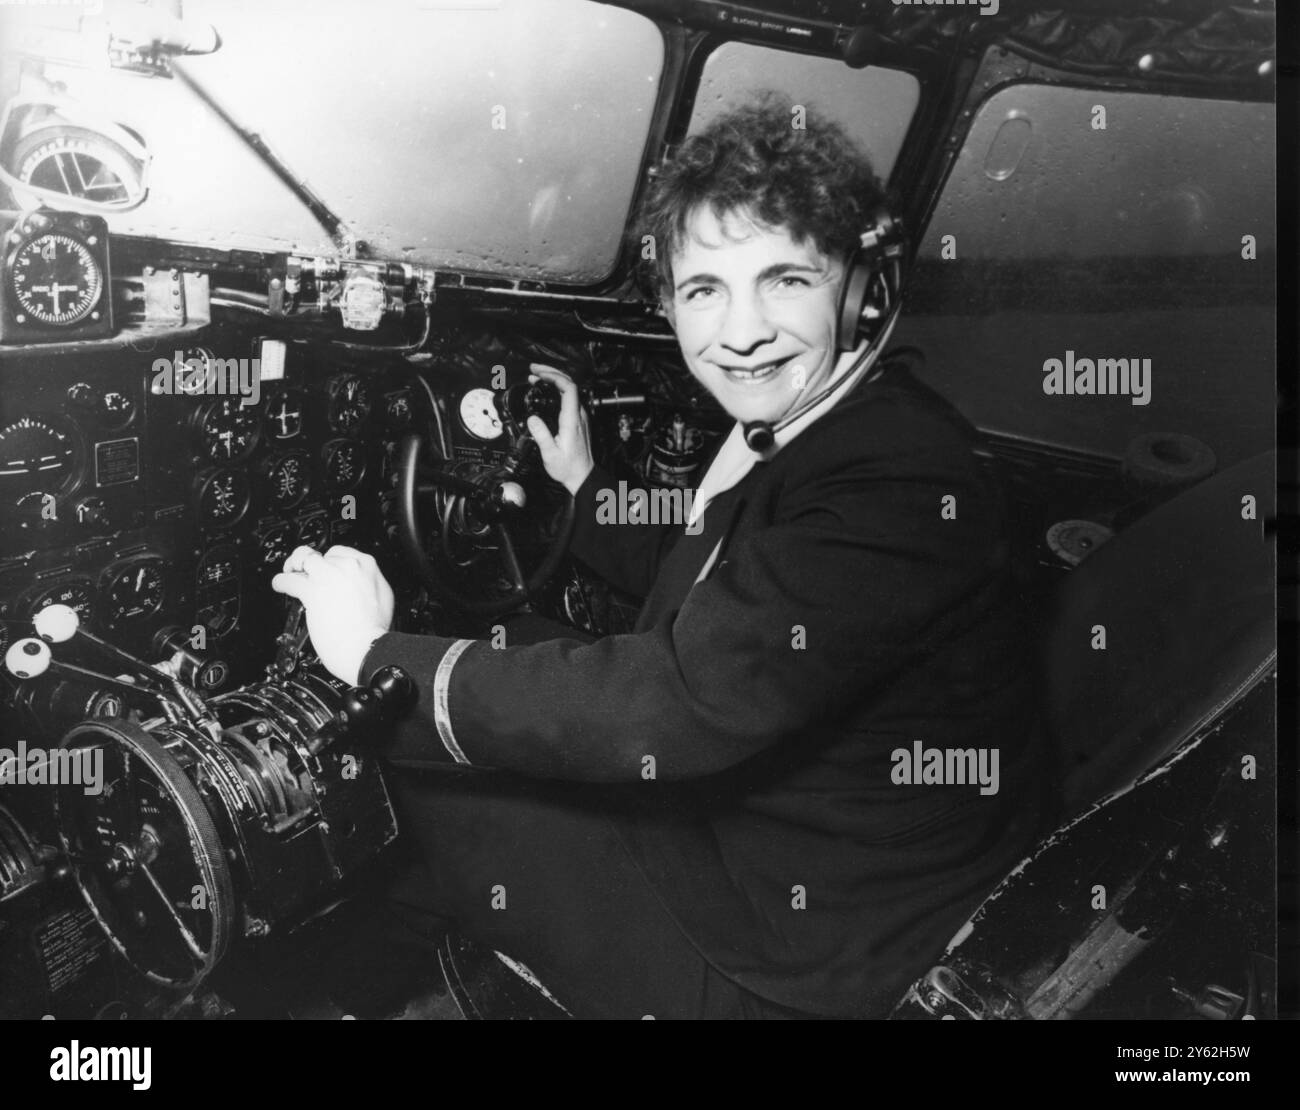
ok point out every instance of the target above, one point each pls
(55, 278)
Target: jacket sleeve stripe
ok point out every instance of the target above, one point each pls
(441, 711)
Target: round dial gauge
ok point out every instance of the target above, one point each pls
(349, 404)
(115, 410)
(478, 412)
(229, 430)
(223, 497)
(314, 530)
(275, 545)
(288, 479)
(35, 454)
(345, 464)
(284, 417)
(55, 280)
(136, 591)
(76, 593)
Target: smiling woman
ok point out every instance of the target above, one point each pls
(825, 602)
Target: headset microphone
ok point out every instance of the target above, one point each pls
(868, 304)
(761, 435)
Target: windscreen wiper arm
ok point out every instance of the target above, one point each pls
(340, 234)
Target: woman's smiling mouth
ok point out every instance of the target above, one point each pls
(755, 374)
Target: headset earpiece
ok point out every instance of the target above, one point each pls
(867, 297)
(853, 299)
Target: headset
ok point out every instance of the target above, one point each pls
(869, 302)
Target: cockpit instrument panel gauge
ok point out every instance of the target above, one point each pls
(37, 454)
(314, 530)
(77, 593)
(275, 544)
(345, 464)
(55, 281)
(349, 404)
(284, 416)
(134, 590)
(288, 479)
(223, 494)
(478, 412)
(228, 430)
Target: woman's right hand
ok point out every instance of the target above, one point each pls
(567, 454)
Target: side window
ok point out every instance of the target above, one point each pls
(1079, 226)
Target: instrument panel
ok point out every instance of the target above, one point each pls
(157, 491)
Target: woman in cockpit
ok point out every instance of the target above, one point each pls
(816, 753)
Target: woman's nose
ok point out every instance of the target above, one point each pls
(745, 325)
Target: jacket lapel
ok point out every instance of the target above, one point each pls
(694, 557)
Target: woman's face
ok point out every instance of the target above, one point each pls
(755, 314)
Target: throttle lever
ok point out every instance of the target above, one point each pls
(290, 643)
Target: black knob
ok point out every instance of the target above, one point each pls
(394, 690)
(360, 705)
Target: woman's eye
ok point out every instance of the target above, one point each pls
(792, 282)
(700, 292)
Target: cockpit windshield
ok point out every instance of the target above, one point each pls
(436, 130)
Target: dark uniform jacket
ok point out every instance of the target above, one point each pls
(860, 603)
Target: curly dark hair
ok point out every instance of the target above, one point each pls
(814, 181)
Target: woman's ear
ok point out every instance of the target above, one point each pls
(668, 308)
